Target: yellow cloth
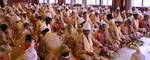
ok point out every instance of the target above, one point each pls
(52, 41)
(88, 44)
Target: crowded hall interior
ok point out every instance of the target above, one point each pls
(74, 29)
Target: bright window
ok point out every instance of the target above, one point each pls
(52, 1)
(93, 2)
(146, 3)
(78, 1)
(107, 2)
(46, 1)
(68, 1)
(41, 1)
(137, 3)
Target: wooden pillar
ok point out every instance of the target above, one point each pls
(118, 3)
(60, 2)
(115, 4)
(100, 2)
(128, 5)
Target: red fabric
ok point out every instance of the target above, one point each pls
(4, 57)
(142, 24)
(100, 37)
(35, 37)
(27, 45)
(34, 20)
(57, 26)
(24, 47)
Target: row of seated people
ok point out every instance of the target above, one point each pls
(54, 32)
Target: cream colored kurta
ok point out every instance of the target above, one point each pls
(136, 23)
(88, 44)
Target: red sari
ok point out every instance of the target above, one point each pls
(57, 26)
(100, 36)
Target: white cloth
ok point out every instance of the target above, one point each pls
(49, 14)
(87, 26)
(52, 41)
(103, 22)
(30, 53)
(146, 13)
(140, 56)
(81, 20)
(44, 26)
(26, 20)
(126, 53)
(18, 18)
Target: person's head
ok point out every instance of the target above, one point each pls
(86, 32)
(65, 52)
(136, 16)
(58, 20)
(48, 20)
(3, 27)
(109, 16)
(29, 38)
(26, 25)
(45, 31)
(146, 9)
(87, 28)
(85, 15)
(146, 17)
(102, 27)
(118, 23)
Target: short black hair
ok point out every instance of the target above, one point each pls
(48, 19)
(146, 17)
(3, 27)
(109, 16)
(29, 38)
(102, 26)
(45, 31)
(135, 16)
(26, 24)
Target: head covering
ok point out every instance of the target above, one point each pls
(23, 11)
(26, 5)
(91, 8)
(102, 26)
(19, 6)
(97, 11)
(12, 11)
(130, 11)
(52, 41)
(136, 11)
(87, 26)
(43, 27)
(81, 20)
(118, 8)
(17, 18)
(106, 7)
